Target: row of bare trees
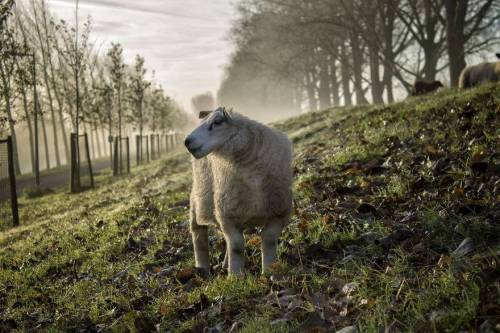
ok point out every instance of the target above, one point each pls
(324, 53)
(53, 71)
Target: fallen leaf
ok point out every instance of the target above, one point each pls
(459, 192)
(185, 275)
(431, 150)
(164, 309)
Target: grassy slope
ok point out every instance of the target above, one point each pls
(384, 196)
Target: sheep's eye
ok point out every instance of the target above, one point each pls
(216, 122)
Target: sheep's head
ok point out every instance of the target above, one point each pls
(215, 129)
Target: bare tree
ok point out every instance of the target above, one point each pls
(10, 53)
(466, 20)
(138, 86)
(423, 19)
(116, 68)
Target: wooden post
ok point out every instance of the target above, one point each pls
(89, 161)
(12, 178)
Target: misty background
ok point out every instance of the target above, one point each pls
(186, 42)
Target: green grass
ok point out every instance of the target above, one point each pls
(383, 198)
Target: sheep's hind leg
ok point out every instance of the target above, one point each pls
(199, 234)
(270, 234)
(235, 248)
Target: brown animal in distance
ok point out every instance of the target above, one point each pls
(424, 87)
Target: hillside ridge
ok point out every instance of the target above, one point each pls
(396, 227)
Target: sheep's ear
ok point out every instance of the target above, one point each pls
(498, 55)
(226, 114)
(204, 114)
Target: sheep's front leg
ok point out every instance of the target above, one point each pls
(270, 234)
(235, 247)
(225, 263)
(199, 234)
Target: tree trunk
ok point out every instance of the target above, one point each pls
(334, 82)
(377, 87)
(60, 114)
(103, 139)
(45, 54)
(109, 141)
(45, 140)
(346, 75)
(10, 119)
(30, 128)
(4, 73)
(311, 92)
(389, 17)
(91, 145)
(25, 104)
(374, 52)
(431, 53)
(324, 92)
(54, 85)
(22, 86)
(119, 113)
(67, 94)
(456, 11)
(388, 77)
(357, 57)
(97, 142)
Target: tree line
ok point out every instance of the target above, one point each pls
(315, 54)
(53, 70)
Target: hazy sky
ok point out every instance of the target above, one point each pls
(184, 41)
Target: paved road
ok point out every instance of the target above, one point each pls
(47, 181)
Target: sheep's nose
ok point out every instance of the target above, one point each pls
(188, 141)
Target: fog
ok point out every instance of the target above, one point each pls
(184, 41)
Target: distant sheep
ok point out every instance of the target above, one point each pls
(241, 178)
(425, 87)
(479, 74)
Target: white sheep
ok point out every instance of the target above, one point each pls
(479, 74)
(241, 178)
